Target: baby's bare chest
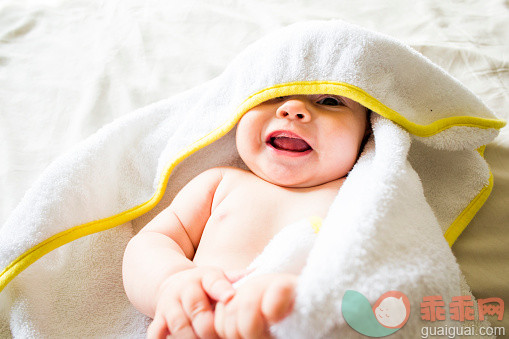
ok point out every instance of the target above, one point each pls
(265, 210)
(244, 221)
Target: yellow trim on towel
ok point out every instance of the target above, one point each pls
(362, 97)
(62, 238)
(305, 87)
(461, 222)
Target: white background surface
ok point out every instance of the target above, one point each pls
(69, 67)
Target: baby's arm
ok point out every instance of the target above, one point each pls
(159, 276)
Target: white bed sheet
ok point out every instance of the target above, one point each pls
(69, 67)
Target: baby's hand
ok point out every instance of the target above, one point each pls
(184, 308)
(258, 303)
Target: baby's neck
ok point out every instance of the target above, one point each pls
(332, 185)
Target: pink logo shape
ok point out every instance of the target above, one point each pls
(392, 309)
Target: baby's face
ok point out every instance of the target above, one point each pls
(302, 140)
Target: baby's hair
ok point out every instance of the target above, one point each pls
(369, 131)
(368, 116)
(368, 121)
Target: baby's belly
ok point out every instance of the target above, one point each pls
(233, 245)
(224, 258)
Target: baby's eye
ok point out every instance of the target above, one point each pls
(330, 101)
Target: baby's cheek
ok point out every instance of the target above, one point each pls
(344, 150)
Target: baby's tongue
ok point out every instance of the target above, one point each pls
(291, 144)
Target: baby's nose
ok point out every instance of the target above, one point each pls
(294, 109)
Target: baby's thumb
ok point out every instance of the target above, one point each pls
(236, 275)
(217, 286)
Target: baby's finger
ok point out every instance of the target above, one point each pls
(186, 333)
(157, 329)
(217, 286)
(230, 321)
(277, 301)
(250, 321)
(178, 324)
(219, 317)
(225, 322)
(197, 307)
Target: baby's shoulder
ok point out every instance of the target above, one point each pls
(215, 177)
(231, 178)
(232, 173)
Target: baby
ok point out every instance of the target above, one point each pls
(179, 269)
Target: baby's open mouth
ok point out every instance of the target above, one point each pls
(288, 142)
